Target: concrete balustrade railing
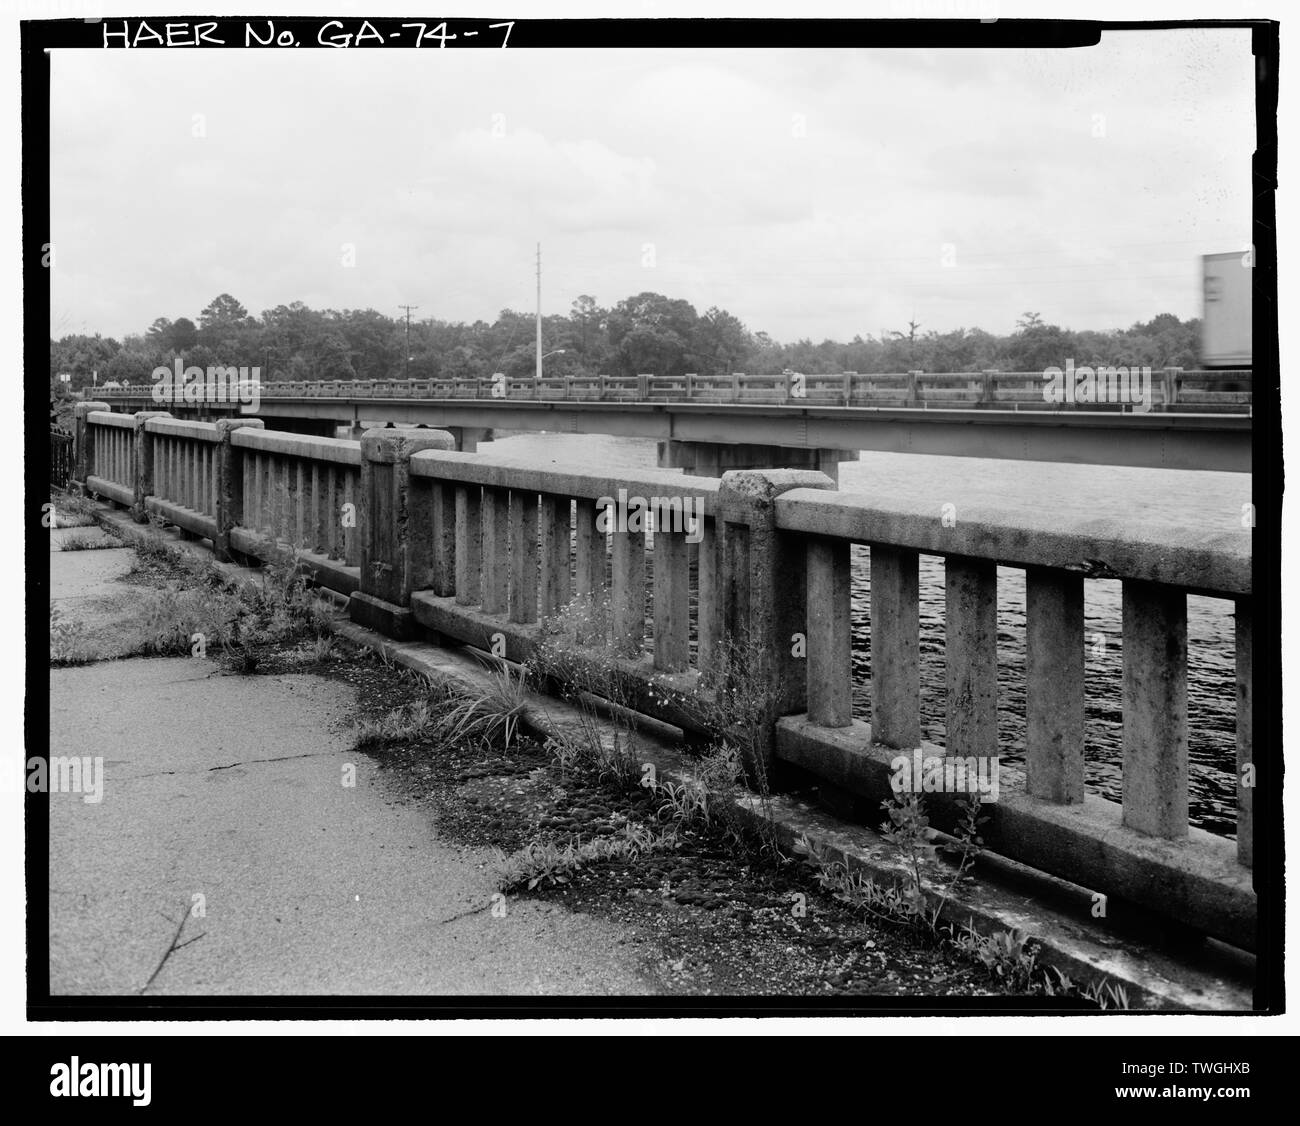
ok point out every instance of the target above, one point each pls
(481, 549)
(1143, 848)
(183, 487)
(297, 492)
(1171, 389)
(106, 455)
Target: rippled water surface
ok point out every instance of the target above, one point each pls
(1155, 498)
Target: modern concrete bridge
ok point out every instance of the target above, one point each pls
(707, 425)
(478, 549)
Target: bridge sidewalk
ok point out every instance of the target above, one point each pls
(231, 789)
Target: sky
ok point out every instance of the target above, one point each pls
(818, 194)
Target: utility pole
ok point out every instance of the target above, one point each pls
(408, 309)
(539, 311)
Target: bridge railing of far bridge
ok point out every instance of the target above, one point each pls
(752, 572)
(1172, 389)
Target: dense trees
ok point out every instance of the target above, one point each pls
(648, 332)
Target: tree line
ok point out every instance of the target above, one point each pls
(646, 333)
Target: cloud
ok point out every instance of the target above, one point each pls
(811, 193)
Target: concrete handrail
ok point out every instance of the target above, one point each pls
(181, 428)
(1217, 564)
(108, 418)
(340, 450)
(499, 471)
(965, 390)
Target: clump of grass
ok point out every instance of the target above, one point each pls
(70, 510)
(211, 614)
(604, 755)
(908, 829)
(1009, 957)
(407, 724)
(492, 717)
(700, 798)
(88, 541)
(543, 863)
(68, 645)
(571, 658)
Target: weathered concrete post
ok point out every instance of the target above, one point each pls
(230, 484)
(396, 542)
(1170, 384)
(84, 439)
(762, 606)
(144, 446)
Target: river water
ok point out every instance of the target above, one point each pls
(1153, 497)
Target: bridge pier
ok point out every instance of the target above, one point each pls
(713, 459)
(467, 438)
(314, 427)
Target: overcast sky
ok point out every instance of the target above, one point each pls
(812, 194)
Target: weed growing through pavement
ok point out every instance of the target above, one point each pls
(71, 510)
(453, 713)
(492, 717)
(67, 640)
(241, 622)
(542, 863)
(572, 660)
(87, 541)
(1007, 956)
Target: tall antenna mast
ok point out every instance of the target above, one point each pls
(539, 311)
(408, 309)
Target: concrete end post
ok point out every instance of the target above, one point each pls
(84, 440)
(395, 527)
(762, 585)
(143, 483)
(230, 483)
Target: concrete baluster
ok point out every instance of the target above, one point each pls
(971, 657)
(627, 590)
(496, 551)
(895, 647)
(469, 545)
(707, 624)
(830, 633)
(442, 518)
(1155, 709)
(555, 585)
(1054, 679)
(523, 554)
(672, 596)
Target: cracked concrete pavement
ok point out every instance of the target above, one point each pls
(228, 857)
